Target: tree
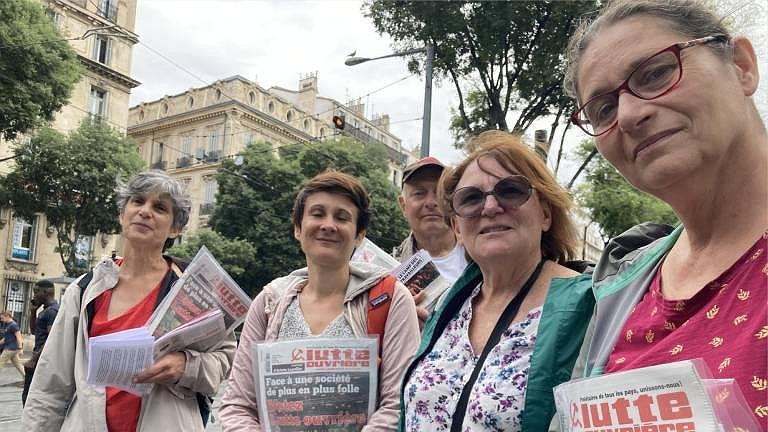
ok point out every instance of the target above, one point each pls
(38, 69)
(511, 54)
(71, 180)
(238, 257)
(255, 199)
(614, 203)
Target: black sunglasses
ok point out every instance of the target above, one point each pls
(510, 192)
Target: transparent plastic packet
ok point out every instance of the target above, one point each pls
(730, 406)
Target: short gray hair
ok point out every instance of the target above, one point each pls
(161, 183)
(690, 18)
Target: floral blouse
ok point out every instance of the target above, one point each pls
(498, 396)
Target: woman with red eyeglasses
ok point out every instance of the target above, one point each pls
(510, 328)
(666, 93)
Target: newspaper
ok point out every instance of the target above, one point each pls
(114, 359)
(418, 274)
(316, 384)
(203, 287)
(368, 252)
(200, 328)
(668, 397)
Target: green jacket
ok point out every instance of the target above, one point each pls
(564, 320)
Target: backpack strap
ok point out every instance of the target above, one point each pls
(379, 301)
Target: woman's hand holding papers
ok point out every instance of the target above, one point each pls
(167, 370)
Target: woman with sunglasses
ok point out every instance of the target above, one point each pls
(667, 94)
(511, 326)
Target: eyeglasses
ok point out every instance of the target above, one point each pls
(510, 192)
(653, 78)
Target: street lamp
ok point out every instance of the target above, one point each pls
(427, 117)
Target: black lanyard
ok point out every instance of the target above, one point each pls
(501, 325)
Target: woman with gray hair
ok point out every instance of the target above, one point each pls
(666, 92)
(119, 295)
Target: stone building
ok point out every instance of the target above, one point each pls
(189, 133)
(27, 247)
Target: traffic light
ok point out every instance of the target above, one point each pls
(338, 122)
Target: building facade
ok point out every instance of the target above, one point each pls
(28, 247)
(188, 134)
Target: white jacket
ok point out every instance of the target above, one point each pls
(60, 399)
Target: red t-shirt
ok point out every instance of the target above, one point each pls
(725, 323)
(123, 408)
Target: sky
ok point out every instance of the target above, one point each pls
(275, 42)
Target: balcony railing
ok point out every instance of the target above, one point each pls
(213, 156)
(161, 165)
(183, 162)
(207, 208)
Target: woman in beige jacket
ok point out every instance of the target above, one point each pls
(328, 298)
(120, 295)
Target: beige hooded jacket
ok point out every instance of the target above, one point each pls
(239, 411)
(61, 400)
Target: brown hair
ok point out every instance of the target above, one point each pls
(689, 18)
(338, 183)
(6, 314)
(559, 242)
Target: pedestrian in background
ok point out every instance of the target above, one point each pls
(667, 94)
(13, 343)
(40, 325)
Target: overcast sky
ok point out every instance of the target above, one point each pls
(274, 42)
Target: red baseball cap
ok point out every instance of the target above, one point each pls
(419, 164)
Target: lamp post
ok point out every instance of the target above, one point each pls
(427, 117)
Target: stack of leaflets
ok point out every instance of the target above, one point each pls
(368, 252)
(668, 397)
(418, 273)
(203, 303)
(114, 359)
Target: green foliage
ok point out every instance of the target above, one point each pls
(71, 180)
(255, 199)
(238, 257)
(37, 68)
(510, 54)
(614, 203)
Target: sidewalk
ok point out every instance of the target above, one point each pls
(10, 397)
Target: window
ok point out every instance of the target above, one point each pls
(322, 132)
(157, 152)
(186, 145)
(248, 138)
(218, 94)
(191, 101)
(23, 239)
(271, 107)
(141, 115)
(289, 116)
(101, 49)
(213, 141)
(306, 125)
(252, 97)
(55, 17)
(108, 9)
(98, 102)
(210, 187)
(165, 108)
